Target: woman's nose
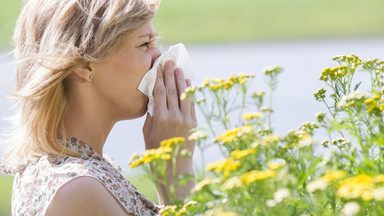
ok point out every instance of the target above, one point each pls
(156, 53)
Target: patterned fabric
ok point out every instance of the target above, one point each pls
(36, 184)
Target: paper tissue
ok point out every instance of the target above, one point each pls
(179, 54)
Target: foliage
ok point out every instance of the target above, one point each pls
(218, 21)
(5, 194)
(266, 174)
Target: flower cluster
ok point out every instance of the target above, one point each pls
(227, 84)
(162, 153)
(265, 173)
(320, 94)
(232, 135)
(334, 73)
(362, 186)
(224, 166)
(353, 98)
(256, 175)
(299, 138)
(273, 70)
(352, 60)
(323, 182)
(249, 116)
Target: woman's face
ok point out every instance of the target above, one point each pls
(117, 78)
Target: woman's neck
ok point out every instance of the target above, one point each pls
(87, 122)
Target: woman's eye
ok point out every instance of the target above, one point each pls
(146, 44)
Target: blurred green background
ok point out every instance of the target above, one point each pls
(220, 21)
(229, 21)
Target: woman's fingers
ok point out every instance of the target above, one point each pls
(170, 86)
(159, 93)
(181, 86)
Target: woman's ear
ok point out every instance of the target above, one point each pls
(84, 72)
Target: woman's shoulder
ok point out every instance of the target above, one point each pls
(84, 196)
(35, 185)
(76, 180)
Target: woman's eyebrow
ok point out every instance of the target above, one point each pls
(150, 35)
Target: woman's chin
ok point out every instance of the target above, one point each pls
(140, 113)
(144, 111)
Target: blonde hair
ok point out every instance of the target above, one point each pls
(51, 39)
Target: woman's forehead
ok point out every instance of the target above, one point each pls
(147, 30)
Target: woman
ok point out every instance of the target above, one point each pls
(79, 63)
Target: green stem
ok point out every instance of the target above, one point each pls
(202, 161)
(270, 107)
(243, 101)
(357, 133)
(207, 119)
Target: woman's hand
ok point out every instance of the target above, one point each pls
(172, 117)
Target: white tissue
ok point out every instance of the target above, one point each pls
(179, 54)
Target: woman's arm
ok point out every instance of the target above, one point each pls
(84, 196)
(172, 118)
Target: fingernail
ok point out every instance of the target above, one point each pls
(169, 65)
(177, 71)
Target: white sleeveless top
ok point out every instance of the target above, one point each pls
(35, 185)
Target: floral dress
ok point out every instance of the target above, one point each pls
(35, 185)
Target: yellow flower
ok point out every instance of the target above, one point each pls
(231, 183)
(230, 135)
(172, 142)
(218, 212)
(256, 175)
(244, 75)
(224, 166)
(163, 153)
(243, 80)
(206, 82)
(215, 87)
(248, 116)
(240, 78)
(276, 165)
(168, 210)
(333, 175)
(218, 80)
(371, 108)
(323, 182)
(370, 100)
(379, 178)
(358, 186)
(238, 154)
(228, 84)
(205, 182)
(197, 135)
